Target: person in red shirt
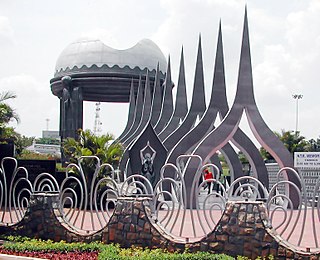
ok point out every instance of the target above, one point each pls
(207, 176)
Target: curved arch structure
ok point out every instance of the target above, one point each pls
(244, 102)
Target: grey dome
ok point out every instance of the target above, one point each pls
(90, 52)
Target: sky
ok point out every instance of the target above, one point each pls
(284, 38)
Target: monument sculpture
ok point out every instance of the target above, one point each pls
(243, 102)
(153, 121)
(218, 105)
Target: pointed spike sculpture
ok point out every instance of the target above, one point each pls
(167, 102)
(144, 137)
(181, 106)
(156, 99)
(145, 119)
(131, 114)
(217, 103)
(197, 108)
(146, 112)
(137, 113)
(244, 101)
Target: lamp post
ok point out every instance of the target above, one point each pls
(297, 97)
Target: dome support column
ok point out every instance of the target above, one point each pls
(71, 109)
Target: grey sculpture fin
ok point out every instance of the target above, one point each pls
(167, 102)
(181, 106)
(137, 112)
(197, 108)
(194, 136)
(157, 99)
(146, 112)
(131, 113)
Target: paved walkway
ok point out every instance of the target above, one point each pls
(13, 257)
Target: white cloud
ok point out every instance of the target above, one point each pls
(6, 31)
(34, 103)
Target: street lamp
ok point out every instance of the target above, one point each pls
(297, 97)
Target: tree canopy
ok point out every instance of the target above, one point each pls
(89, 144)
(294, 142)
(7, 114)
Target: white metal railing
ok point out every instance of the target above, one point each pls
(187, 211)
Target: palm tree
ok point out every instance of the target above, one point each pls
(7, 113)
(89, 144)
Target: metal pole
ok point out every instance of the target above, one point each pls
(297, 97)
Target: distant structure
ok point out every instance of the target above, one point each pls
(89, 70)
(53, 134)
(52, 147)
(97, 122)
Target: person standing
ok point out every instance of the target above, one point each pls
(208, 176)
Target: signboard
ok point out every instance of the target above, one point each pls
(307, 159)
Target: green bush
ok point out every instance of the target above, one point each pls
(21, 244)
(110, 251)
(157, 254)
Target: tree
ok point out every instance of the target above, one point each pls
(314, 145)
(7, 114)
(89, 144)
(292, 140)
(21, 142)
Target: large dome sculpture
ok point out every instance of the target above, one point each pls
(89, 70)
(93, 54)
(105, 73)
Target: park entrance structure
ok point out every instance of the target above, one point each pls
(88, 70)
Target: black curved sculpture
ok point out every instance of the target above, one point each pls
(244, 101)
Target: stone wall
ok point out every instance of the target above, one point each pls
(43, 220)
(244, 229)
